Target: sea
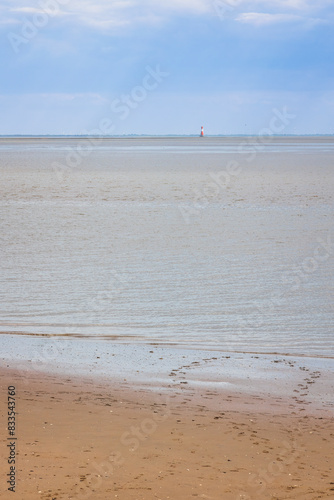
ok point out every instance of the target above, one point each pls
(222, 243)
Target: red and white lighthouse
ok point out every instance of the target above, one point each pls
(202, 132)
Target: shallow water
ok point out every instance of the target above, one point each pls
(215, 242)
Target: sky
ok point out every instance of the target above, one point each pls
(166, 67)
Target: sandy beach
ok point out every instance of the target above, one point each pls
(80, 438)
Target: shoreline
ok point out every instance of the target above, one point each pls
(153, 342)
(79, 437)
(298, 383)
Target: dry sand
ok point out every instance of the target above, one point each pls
(77, 438)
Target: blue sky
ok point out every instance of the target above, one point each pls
(69, 66)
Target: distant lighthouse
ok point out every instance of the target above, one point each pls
(202, 132)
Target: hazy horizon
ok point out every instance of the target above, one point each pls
(158, 136)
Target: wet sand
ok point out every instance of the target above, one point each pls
(80, 438)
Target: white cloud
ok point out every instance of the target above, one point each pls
(104, 14)
(282, 5)
(107, 15)
(195, 6)
(261, 18)
(27, 10)
(266, 12)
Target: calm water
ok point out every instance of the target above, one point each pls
(219, 242)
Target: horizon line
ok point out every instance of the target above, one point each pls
(156, 135)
